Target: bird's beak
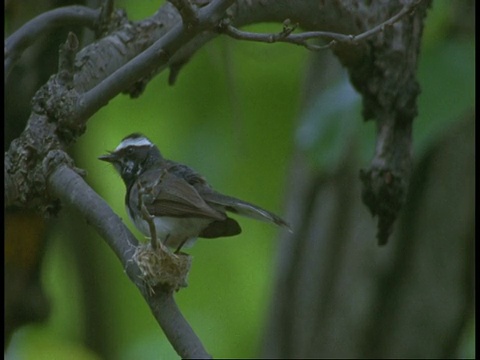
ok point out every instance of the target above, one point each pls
(108, 157)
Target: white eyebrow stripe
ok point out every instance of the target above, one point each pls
(141, 141)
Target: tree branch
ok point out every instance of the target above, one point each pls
(383, 66)
(156, 56)
(301, 39)
(16, 43)
(63, 110)
(71, 189)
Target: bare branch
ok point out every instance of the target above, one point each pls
(16, 43)
(155, 57)
(301, 39)
(60, 110)
(297, 39)
(71, 189)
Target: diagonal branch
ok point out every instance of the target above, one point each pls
(71, 189)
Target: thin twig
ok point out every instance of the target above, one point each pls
(302, 38)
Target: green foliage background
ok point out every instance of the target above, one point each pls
(231, 116)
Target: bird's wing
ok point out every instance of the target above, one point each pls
(165, 194)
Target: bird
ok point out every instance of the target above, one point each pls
(182, 204)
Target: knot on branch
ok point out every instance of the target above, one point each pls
(58, 99)
(59, 105)
(25, 178)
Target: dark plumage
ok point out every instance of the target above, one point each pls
(184, 205)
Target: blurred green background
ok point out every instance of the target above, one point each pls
(232, 116)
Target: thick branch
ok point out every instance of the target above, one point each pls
(71, 189)
(156, 56)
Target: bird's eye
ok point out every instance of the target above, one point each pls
(129, 150)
